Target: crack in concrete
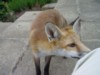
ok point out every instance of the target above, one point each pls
(18, 61)
(20, 58)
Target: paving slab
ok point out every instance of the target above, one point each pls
(58, 65)
(26, 65)
(28, 16)
(92, 44)
(68, 8)
(4, 25)
(90, 30)
(90, 10)
(10, 50)
(17, 30)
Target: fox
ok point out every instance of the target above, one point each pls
(51, 35)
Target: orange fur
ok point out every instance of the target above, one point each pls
(38, 38)
(37, 33)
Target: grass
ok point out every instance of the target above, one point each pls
(19, 5)
(9, 9)
(5, 12)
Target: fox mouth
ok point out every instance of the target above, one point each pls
(76, 57)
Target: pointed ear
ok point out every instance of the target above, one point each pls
(52, 32)
(76, 25)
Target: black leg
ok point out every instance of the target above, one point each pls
(64, 57)
(47, 64)
(37, 65)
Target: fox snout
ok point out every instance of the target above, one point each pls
(84, 51)
(80, 55)
(77, 55)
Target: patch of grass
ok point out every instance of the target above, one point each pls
(18, 5)
(42, 2)
(9, 8)
(5, 12)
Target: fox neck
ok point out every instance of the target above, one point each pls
(55, 52)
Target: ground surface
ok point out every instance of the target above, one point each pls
(13, 38)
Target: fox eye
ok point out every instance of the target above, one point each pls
(72, 45)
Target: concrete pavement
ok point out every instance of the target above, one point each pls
(90, 18)
(15, 60)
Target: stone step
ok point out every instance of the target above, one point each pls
(20, 28)
(28, 16)
(17, 30)
(4, 25)
(10, 51)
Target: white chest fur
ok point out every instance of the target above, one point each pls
(58, 52)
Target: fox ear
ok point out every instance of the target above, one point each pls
(52, 32)
(76, 25)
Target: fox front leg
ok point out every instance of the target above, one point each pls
(47, 65)
(37, 65)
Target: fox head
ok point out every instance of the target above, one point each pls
(66, 41)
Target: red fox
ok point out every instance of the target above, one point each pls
(51, 35)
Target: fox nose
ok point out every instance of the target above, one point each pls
(81, 54)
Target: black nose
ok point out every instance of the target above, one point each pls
(80, 54)
(76, 57)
